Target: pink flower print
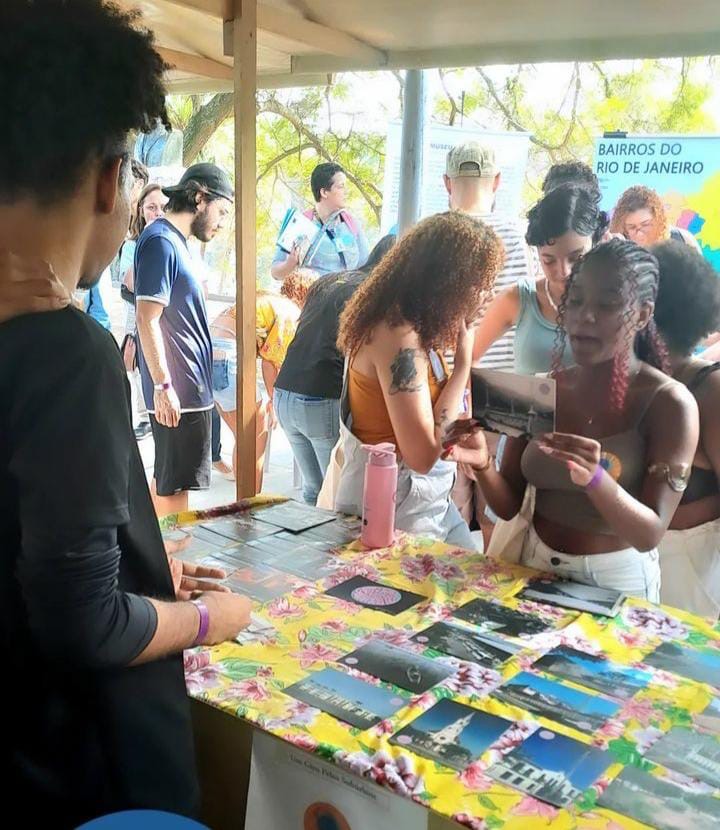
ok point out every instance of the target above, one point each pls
(639, 710)
(630, 639)
(418, 568)
(314, 653)
(356, 762)
(384, 727)
(472, 822)
(349, 571)
(532, 807)
(335, 625)
(471, 679)
(196, 660)
(512, 738)
(251, 690)
(305, 592)
(654, 623)
(448, 570)
(393, 636)
(435, 612)
(302, 741)
(281, 607)
(204, 676)
(645, 738)
(475, 779)
(612, 728)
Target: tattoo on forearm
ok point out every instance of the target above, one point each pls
(404, 373)
(441, 420)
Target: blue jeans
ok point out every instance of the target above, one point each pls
(312, 426)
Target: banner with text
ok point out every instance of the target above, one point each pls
(683, 170)
(511, 153)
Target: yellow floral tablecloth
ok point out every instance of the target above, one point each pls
(311, 630)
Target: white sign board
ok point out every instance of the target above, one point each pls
(511, 153)
(293, 790)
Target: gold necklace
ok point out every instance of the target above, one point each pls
(552, 302)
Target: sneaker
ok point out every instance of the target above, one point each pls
(142, 430)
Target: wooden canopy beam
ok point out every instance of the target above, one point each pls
(195, 64)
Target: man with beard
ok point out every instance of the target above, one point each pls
(175, 354)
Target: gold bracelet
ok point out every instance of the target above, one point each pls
(677, 476)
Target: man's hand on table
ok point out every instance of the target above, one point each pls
(27, 285)
(190, 580)
(229, 614)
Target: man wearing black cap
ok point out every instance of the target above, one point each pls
(176, 349)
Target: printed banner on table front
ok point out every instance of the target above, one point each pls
(684, 170)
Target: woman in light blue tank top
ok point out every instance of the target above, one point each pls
(562, 227)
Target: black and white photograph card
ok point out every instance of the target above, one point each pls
(491, 616)
(513, 404)
(406, 669)
(467, 645)
(592, 599)
(294, 516)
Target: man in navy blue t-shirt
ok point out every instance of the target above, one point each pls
(175, 355)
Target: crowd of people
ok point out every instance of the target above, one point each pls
(356, 348)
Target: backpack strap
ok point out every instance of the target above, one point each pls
(348, 219)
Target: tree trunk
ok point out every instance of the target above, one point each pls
(203, 123)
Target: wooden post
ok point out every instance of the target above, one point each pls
(244, 38)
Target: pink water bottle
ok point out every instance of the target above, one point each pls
(379, 493)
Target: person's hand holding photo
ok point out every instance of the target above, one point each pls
(580, 455)
(466, 444)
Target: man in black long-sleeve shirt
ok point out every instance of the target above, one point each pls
(93, 693)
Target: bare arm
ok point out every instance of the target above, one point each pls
(402, 370)
(165, 402)
(282, 270)
(500, 316)
(672, 436)
(269, 372)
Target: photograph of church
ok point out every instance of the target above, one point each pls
(551, 767)
(556, 702)
(685, 751)
(451, 733)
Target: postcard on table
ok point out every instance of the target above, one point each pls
(576, 595)
(375, 595)
(491, 616)
(709, 719)
(551, 767)
(240, 528)
(347, 698)
(307, 562)
(406, 669)
(557, 702)
(513, 404)
(594, 672)
(467, 645)
(293, 516)
(689, 752)
(702, 665)
(660, 803)
(259, 582)
(451, 733)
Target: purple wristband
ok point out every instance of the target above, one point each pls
(595, 480)
(204, 621)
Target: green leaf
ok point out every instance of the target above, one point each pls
(697, 638)
(239, 669)
(487, 803)
(493, 821)
(588, 800)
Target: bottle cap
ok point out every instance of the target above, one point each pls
(381, 455)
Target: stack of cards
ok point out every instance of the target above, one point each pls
(351, 700)
(467, 645)
(293, 516)
(491, 616)
(375, 595)
(556, 702)
(660, 803)
(395, 665)
(551, 767)
(589, 598)
(195, 542)
(594, 672)
(451, 734)
(702, 665)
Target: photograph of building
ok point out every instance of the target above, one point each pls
(556, 702)
(694, 755)
(551, 767)
(660, 803)
(702, 665)
(451, 733)
(568, 594)
(594, 672)
(491, 616)
(467, 645)
(516, 405)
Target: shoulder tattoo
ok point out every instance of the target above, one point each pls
(404, 372)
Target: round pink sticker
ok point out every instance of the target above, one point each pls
(376, 595)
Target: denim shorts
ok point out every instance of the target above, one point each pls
(224, 374)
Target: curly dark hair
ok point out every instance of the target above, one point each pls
(637, 270)
(571, 172)
(75, 78)
(639, 198)
(687, 308)
(568, 207)
(434, 277)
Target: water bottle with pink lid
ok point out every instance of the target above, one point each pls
(381, 472)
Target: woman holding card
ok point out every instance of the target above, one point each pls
(688, 308)
(422, 298)
(608, 481)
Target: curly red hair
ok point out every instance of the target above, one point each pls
(437, 275)
(639, 198)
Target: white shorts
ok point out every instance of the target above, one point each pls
(630, 571)
(690, 566)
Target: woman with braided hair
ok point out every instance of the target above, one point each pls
(608, 481)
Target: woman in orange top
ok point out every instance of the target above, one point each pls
(422, 299)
